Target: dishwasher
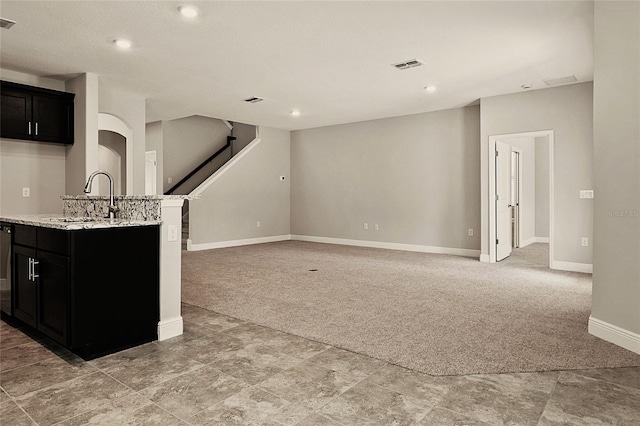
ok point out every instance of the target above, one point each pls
(6, 307)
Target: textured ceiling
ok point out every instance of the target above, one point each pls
(330, 60)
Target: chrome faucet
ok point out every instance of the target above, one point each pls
(112, 205)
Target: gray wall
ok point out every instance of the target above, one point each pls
(415, 176)
(187, 143)
(245, 133)
(246, 193)
(39, 166)
(616, 269)
(568, 111)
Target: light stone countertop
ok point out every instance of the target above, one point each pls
(131, 197)
(59, 221)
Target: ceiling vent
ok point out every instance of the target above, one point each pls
(560, 80)
(411, 63)
(6, 23)
(253, 100)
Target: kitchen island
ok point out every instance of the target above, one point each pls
(97, 285)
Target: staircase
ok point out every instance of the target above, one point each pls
(188, 180)
(185, 230)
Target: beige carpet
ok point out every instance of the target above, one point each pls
(438, 314)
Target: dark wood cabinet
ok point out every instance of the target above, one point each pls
(24, 286)
(53, 298)
(41, 280)
(94, 291)
(33, 113)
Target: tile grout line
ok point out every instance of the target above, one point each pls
(19, 406)
(546, 404)
(625, 387)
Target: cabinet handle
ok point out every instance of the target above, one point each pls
(35, 262)
(32, 269)
(29, 127)
(36, 128)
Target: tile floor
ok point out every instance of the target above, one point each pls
(224, 371)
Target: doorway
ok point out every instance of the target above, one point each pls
(111, 124)
(513, 217)
(112, 158)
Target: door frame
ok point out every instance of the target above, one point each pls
(491, 235)
(518, 236)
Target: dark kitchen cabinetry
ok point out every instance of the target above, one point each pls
(37, 114)
(94, 291)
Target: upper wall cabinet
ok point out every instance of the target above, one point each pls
(37, 114)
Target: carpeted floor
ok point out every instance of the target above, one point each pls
(438, 314)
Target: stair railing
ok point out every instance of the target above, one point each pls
(230, 140)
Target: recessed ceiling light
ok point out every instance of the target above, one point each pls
(122, 43)
(188, 11)
(430, 89)
(295, 113)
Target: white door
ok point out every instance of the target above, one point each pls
(150, 165)
(503, 197)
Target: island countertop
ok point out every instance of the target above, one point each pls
(60, 221)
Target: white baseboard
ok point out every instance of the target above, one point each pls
(586, 268)
(614, 334)
(533, 240)
(236, 243)
(170, 328)
(390, 246)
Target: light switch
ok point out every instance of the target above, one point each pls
(586, 193)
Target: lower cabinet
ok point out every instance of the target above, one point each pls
(24, 295)
(94, 291)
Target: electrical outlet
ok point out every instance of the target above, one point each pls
(586, 193)
(585, 242)
(376, 227)
(26, 192)
(258, 224)
(172, 233)
(366, 226)
(470, 232)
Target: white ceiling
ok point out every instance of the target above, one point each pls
(330, 60)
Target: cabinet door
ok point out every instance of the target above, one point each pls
(53, 119)
(16, 115)
(53, 296)
(24, 286)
